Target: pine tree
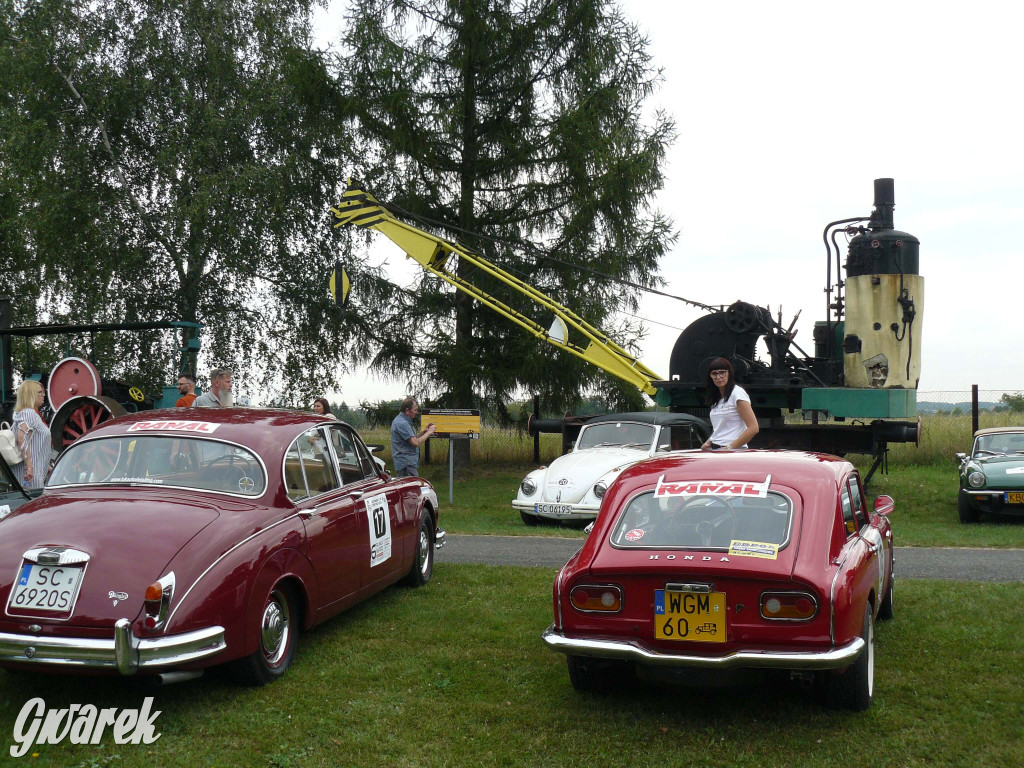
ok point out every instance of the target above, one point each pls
(517, 128)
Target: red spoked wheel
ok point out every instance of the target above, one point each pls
(81, 415)
(72, 377)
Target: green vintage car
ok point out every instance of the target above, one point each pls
(992, 476)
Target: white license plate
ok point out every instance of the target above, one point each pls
(47, 587)
(553, 509)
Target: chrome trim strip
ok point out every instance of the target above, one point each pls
(834, 658)
(124, 652)
(224, 555)
(832, 601)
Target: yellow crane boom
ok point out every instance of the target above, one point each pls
(436, 255)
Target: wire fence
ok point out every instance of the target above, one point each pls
(946, 428)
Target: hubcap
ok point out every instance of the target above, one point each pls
(425, 551)
(274, 629)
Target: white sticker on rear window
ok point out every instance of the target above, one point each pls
(712, 487)
(754, 549)
(202, 427)
(379, 518)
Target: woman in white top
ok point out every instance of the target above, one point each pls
(732, 417)
(33, 435)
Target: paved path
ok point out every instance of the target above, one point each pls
(911, 562)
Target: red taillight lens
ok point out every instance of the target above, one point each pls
(606, 598)
(789, 606)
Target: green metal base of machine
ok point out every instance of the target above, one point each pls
(862, 403)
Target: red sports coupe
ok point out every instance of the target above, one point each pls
(730, 561)
(169, 541)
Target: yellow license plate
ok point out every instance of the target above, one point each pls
(1015, 497)
(696, 617)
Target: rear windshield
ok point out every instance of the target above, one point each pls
(702, 522)
(180, 462)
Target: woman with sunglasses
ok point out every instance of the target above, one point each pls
(732, 417)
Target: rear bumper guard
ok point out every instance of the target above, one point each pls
(834, 658)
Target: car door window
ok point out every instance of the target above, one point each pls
(857, 501)
(849, 520)
(309, 470)
(294, 479)
(351, 466)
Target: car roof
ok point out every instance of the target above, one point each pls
(995, 430)
(657, 418)
(793, 468)
(266, 430)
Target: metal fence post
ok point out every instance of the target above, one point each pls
(974, 409)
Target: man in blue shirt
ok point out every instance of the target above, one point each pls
(406, 441)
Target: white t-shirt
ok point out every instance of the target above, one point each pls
(726, 420)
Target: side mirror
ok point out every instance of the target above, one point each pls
(884, 505)
(961, 458)
(589, 528)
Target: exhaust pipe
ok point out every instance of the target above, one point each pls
(167, 678)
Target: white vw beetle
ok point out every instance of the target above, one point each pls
(572, 486)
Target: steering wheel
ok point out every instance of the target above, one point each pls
(234, 472)
(707, 522)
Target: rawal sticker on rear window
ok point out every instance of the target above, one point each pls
(712, 488)
(754, 549)
(203, 427)
(379, 517)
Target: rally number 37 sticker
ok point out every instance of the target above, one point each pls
(379, 517)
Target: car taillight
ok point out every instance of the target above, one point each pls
(789, 606)
(605, 598)
(158, 601)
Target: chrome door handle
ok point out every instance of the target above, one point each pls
(305, 514)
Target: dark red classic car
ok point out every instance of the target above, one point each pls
(730, 561)
(169, 541)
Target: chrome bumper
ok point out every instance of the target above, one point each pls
(125, 652)
(633, 651)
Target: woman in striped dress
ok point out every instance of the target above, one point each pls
(33, 435)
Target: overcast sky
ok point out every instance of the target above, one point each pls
(786, 113)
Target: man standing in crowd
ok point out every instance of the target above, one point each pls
(187, 390)
(220, 390)
(406, 441)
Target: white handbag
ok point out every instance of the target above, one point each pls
(9, 445)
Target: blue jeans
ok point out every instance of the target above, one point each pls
(409, 471)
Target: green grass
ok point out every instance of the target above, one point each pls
(455, 674)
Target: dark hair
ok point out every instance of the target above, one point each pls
(325, 404)
(713, 396)
(187, 375)
(406, 404)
